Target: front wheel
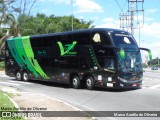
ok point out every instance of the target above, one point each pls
(89, 83)
(18, 76)
(76, 82)
(25, 76)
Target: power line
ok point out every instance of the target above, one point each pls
(121, 8)
(119, 5)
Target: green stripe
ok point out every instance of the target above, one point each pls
(23, 57)
(30, 55)
(13, 50)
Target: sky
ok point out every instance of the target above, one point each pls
(106, 14)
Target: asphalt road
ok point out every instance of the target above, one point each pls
(145, 99)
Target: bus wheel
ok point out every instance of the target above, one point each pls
(89, 83)
(25, 76)
(76, 82)
(18, 76)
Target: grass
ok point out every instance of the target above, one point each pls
(7, 105)
(5, 101)
(2, 65)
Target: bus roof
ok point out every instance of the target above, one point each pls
(76, 31)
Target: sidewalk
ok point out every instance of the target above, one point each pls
(2, 72)
(39, 101)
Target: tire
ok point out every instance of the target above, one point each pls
(89, 83)
(76, 83)
(18, 76)
(25, 76)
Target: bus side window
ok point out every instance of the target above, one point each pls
(49, 41)
(83, 63)
(82, 38)
(100, 38)
(37, 42)
(65, 39)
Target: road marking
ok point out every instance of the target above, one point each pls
(154, 87)
(10, 83)
(20, 82)
(2, 75)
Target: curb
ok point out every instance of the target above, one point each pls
(13, 102)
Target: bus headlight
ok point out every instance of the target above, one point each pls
(121, 79)
(99, 77)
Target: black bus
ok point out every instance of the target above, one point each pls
(94, 57)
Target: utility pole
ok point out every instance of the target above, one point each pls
(135, 9)
(132, 18)
(123, 20)
(72, 13)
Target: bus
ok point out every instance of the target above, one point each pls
(97, 57)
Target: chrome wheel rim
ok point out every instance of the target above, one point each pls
(75, 81)
(25, 76)
(18, 75)
(89, 82)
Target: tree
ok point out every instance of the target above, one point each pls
(11, 12)
(153, 62)
(41, 24)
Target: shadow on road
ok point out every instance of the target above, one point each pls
(67, 86)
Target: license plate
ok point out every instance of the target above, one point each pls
(134, 85)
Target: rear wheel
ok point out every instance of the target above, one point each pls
(89, 83)
(76, 82)
(18, 76)
(25, 76)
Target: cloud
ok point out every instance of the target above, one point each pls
(57, 1)
(149, 11)
(80, 6)
(151, 29)
(109, 23)
(87, 6)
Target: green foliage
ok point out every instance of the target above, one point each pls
(2, 65)
(153, 62)
(5, 103)
(41, 24)
(145, 65)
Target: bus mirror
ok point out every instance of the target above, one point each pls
(122, 53)
(150, 55)
(149, 52)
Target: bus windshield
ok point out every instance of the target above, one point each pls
(131, 63)
(123, 39)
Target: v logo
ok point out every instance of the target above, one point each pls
(69, 47)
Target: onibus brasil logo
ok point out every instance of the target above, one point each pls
(67, 49)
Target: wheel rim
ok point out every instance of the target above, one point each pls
(75, 81)
(25, 76)
(89, 82)
(18, 75)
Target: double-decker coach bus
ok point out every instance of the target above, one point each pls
(94, 57)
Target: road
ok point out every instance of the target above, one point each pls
(145, 99)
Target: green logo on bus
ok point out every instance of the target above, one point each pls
(66, 49)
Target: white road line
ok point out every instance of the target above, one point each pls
(2, 75)
(10, 83)
(154, 87)
(20, 82)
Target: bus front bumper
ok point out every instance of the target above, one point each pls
(118, 84)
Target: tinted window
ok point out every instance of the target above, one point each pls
(65, 39)
(123, 39)
(100, 38)
(82, 38)
(49, 41)
(37, 42)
